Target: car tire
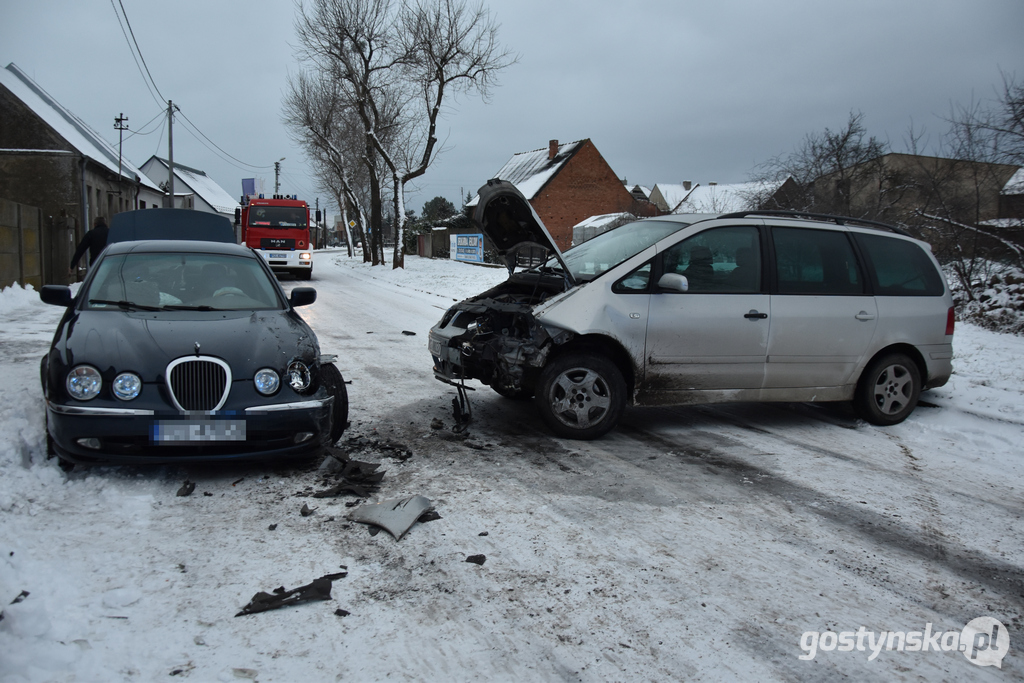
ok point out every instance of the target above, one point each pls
(304, 274)
(888, 389)
(581, 396)
(335, 385)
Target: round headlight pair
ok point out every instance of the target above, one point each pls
(84, 383)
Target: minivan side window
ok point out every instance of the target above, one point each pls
(809, 261)
(899, 267)
(720, 261)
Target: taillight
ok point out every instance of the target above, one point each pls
(950, 321)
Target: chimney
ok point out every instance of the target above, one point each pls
(687, 185)
(552, 149)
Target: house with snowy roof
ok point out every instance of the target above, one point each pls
(51, 159)
(667, 196)
(193, 189)
(1011, 197)
(731, 198)
(566, 183)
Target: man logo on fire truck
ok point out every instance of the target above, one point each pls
(278, 229)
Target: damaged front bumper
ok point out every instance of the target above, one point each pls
(500, 344)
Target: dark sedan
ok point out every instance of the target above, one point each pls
(180, 350)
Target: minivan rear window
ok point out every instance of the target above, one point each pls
(899, 267)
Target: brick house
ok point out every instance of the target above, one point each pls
(566, 184)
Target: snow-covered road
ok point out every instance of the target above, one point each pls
(691, 543)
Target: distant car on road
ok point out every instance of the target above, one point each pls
(180, 346)
(683, 309)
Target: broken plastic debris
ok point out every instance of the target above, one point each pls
(477, 559)
(318, 589)
(396, 516)
(187, 488)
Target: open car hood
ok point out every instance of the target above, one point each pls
(515, 229)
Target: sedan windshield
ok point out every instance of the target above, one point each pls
(181, 281)
(609, 249)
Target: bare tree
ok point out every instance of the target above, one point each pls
(395, 65)
(828, 168)
(319, 120)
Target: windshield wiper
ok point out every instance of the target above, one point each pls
(125, 305)
(183, 307)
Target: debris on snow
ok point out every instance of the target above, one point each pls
(477, 559)
(407, 333)
(318, 589)
(21, 596)
(396, 516)
(357, 477)
(306, 511)
(437, 423)
(187, 488)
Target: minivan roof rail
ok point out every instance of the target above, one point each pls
(829, 218)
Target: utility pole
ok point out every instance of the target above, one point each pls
(121, 124)
(170, 155)
(277, 175)
(319, 237)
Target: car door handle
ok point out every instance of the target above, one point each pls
(864, 315)
(754, 315)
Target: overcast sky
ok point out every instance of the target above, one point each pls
(667, 90)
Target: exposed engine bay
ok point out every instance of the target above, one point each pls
(494, 336)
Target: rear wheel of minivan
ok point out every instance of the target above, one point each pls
(581, 396)
(888, 389)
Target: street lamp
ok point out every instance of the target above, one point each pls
(277, 175)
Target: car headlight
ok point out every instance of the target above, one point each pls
(127, 386)
(298, 375)
(267, 381)
(84, 382)
(305, 256)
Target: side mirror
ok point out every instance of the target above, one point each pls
(302, 296)
(674, 282)
(238, 216)
(57, 295)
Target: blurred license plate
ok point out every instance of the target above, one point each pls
(178, 431)
(279, 256)
(435, 347)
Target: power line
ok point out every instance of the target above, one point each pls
(139, 130)
(138, 49)
(196, 128)
(137, 65)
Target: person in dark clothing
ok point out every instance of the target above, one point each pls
(94, 241)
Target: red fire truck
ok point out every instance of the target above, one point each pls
(278, 229)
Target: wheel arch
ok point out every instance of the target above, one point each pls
(604, 346)
(908, 350)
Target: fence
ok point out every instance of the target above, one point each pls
(34, 250)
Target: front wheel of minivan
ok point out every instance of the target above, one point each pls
(888, 389)
(581, 397)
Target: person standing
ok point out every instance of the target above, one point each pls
(94, 241)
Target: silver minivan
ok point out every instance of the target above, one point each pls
(685, 309)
